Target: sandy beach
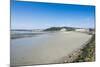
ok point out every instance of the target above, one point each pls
(46, 48)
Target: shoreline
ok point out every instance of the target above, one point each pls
(61, 53)
(75, 56)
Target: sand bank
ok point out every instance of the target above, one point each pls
(47, 48)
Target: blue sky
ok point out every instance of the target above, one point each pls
(37, 15)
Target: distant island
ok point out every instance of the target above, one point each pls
(60, 28)
(68, 29)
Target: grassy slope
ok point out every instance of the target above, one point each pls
(88, 52)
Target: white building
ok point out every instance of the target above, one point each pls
(63, 30)
(82, 30)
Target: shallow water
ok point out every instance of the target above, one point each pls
(45, 48)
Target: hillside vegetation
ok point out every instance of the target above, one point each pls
(88, 52)
(59, 28)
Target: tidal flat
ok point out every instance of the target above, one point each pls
(46, 48)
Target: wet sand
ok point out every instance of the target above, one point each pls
(47, 48)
